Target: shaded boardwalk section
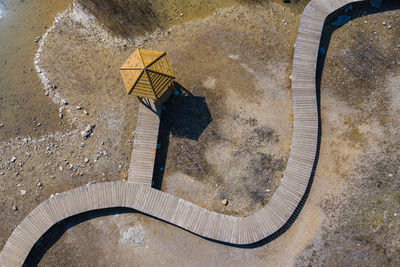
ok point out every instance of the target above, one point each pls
(274, 216)
(145, 144)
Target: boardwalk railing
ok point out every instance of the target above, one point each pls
(140, 196)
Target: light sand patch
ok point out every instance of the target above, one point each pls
(209, 83)
(393, 89)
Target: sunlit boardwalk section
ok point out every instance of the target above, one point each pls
(137, 194)
(145, 144)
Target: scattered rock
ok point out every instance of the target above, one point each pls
(224, 202)
(19, 185)
(23, 192)
(60, 115)
(267, 190)
(37, 39)
(1, 173)
(39, 184)
(64, 101)
(86, 160)
(53, 86)
(1, 125)
(389, 27)
(78, 107)
(384, 23)
(14, 208)
(88, 131)
(13, 159)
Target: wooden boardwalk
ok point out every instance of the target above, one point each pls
(236, 230)
(145, 144)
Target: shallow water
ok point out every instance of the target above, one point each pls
(23, 104)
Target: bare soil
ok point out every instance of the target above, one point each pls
(227, 136)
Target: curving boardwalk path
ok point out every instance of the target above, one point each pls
(236, 230)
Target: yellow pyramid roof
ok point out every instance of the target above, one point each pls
(147, 73)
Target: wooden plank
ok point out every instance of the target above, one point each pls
(145, 145)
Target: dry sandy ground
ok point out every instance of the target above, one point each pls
(236, 63)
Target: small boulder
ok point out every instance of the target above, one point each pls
(88, 131)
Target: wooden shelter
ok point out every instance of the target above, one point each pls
(148, 74)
